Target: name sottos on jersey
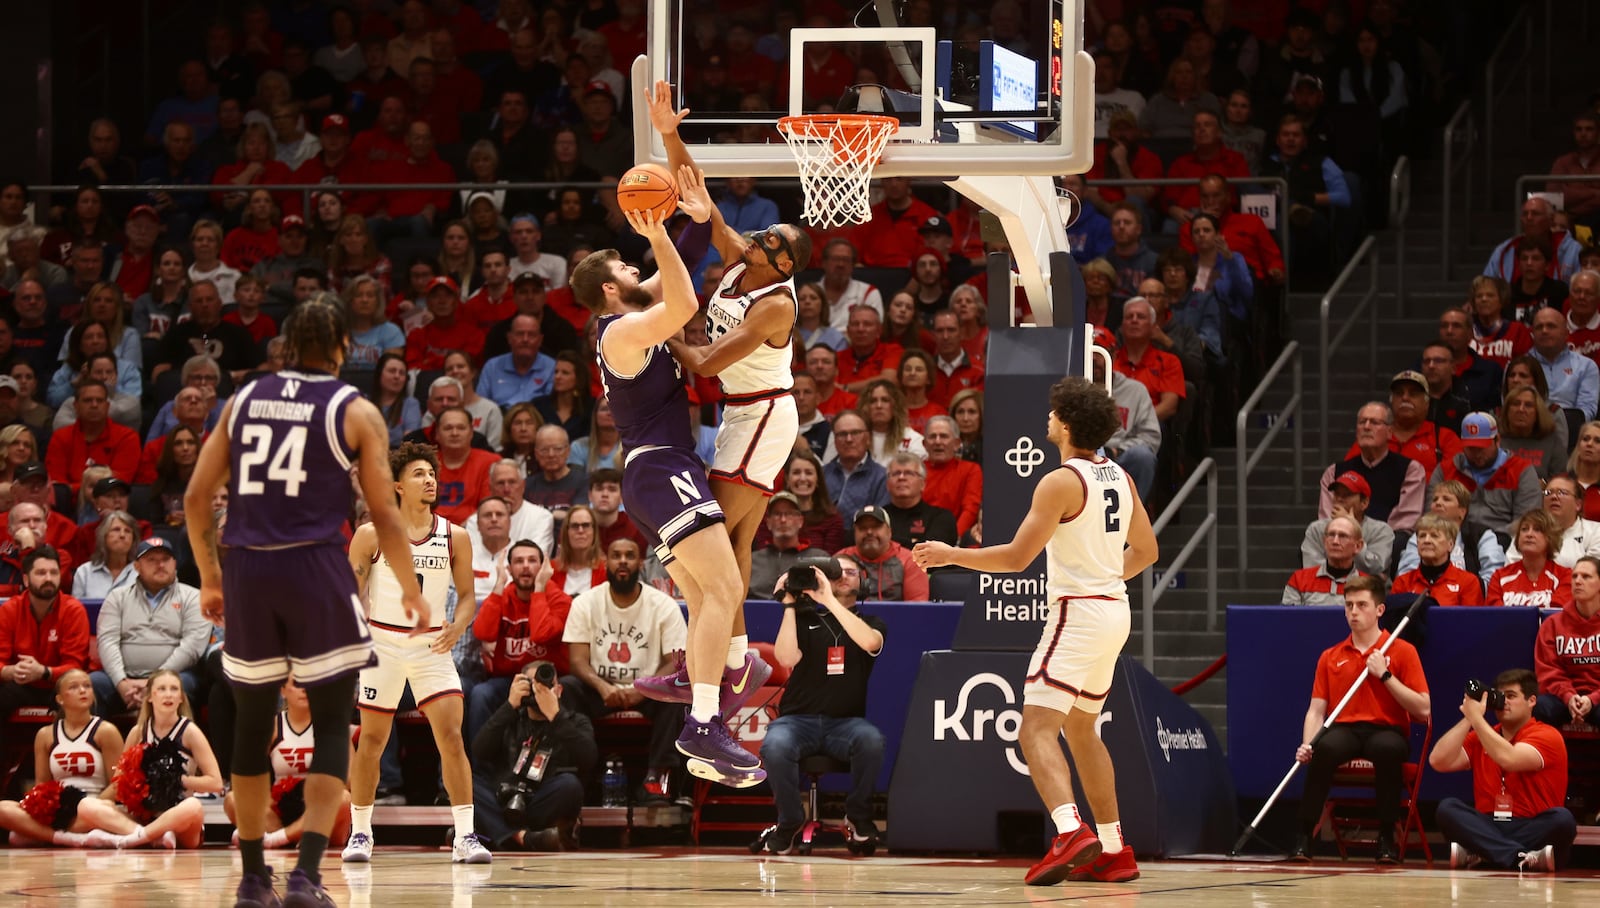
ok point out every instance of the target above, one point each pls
(282, 410)
(1036, 609)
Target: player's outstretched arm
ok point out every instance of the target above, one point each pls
(1061, 492)
(210, 473)
(666, 120)
(771, 316)
(1142, 550)
(364, 427)
(642, 330)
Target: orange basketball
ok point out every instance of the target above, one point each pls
(648, 187)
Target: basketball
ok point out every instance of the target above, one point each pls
(648, 187)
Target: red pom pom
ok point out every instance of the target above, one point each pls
(43, 801)
(132, 787)
(282, 787)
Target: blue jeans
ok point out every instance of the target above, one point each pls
(556, 799)
(1140, 462)
(485, 697)
(790, 739)
(109, 702)
(1501, 842)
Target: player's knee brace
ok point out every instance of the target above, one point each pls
(330, 725)
(252, 729)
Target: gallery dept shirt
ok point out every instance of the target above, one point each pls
(626, 644)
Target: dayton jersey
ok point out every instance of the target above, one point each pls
(766, 368)
(291, 750)
(289, 461)
(651, 407)
(78, 761)
(1085, 551)
(431, 555)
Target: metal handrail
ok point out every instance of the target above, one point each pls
(1521, 190)
(1207, 470)
(1399, 212)
(1491, 92)
(1462, 125)
(1280, 190)
(1245, 462)
(1368, 251)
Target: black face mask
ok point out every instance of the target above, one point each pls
(774, 243)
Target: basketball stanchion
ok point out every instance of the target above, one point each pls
(1327, 723)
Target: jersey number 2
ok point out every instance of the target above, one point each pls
(286, 460)
(1113, 505)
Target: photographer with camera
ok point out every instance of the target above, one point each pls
(829, 649)
(1519, 780)
(529, 763)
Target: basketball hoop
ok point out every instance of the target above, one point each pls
(836, 154)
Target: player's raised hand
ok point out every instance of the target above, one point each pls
(931, 554)
(416, 608)
(693, 197)
(647, 223)
(662, 116)
(211, 604)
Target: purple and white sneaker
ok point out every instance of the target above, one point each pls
(303, 893)
(714, 755)
(740, 684)
(255, 891)
(671, 688)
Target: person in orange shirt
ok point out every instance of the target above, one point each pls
(463, 469)
(1436, 575)
(1518, 818)
(1375, 724)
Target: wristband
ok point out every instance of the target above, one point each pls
(1386, 676)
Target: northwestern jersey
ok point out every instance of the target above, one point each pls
(291, 750)
(289, 461)
(1085, 551)
(431, 555)
(78, 761)
(651, 406)
(766, 368)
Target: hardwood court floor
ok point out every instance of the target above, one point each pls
(400, 878)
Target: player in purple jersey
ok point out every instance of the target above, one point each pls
(664, 482)
(284, 447)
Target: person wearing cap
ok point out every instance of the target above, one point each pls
(279, 270)
(1503, 485)
(888, 572)
(1396, 483)
(938, 235)
(785, 522)
(44, 633)
(332, 162)
(427, 346)
(148, 626)
(830, 649)
(481, 212)
(889, 239)
(1122, 156)
(1323, 582)
(604, 142)
(1319, 197)
(94, 438)
(1351, 495)
(1573, 378)
(30, 484)
(1435, 575)
(108, 494)
(525, 236)
(135, 267)
(1412, 435)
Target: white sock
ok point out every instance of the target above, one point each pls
(1110, 837)
(1066, 818)
(461, 815)
(69, 839)
(736, 650)
(132, 839)
(361, 820)
(275, 839)
(707, 702)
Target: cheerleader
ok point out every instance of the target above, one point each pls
(166, 759)
(71, 764)
(292, 747)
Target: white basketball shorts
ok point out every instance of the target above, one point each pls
(1076, 658)
(402, 659)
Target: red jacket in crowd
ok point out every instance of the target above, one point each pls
(59, 642)
(1567, 655)
(516, 632)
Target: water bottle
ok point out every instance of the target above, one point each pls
(614, 785)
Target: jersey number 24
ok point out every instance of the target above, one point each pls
(283, 460)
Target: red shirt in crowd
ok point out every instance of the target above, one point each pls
(1533, 792)
(839, 401)
(1429, 446)
(60, 641)
(1145, 166)
(461, 488)
(890, 239)
(486, 310)
(853, 368)
(1454, 587)
(1228, 163)
(426, 346)
(262, 329)
(1340, 665)
(516, 631)
(1513, 585)
(244, 247)
(1503, 344)
(957, 486)
(1566, 656)
(1247, 235)
(70, 453)
(1158, 370)
(966, 374)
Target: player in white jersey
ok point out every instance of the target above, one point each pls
(293, 745)
(442, 555)
(75, 752)
(1089, 520)
(750, 323)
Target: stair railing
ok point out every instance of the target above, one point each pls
(1292, 414)
(1368, 254)
(1498, 76)
(1460, 137)
(1399, 212)
(1205, 532)
(1521, 190)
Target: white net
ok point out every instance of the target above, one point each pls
(836, 155)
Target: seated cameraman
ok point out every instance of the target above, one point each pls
(1519, 781)
(528, 766)
(829, 649)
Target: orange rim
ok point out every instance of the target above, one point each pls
(842, 129)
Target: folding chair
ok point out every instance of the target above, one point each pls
(1351, 816)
